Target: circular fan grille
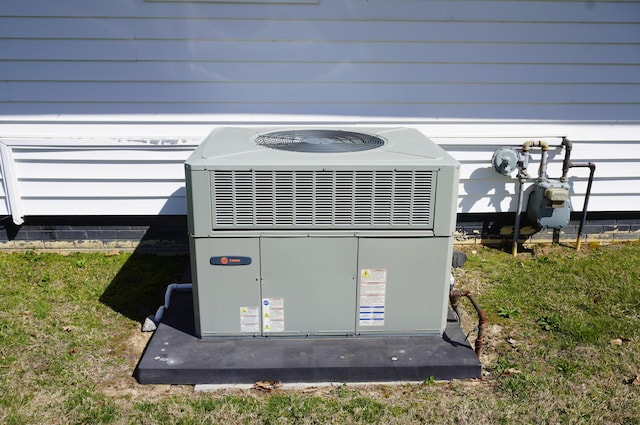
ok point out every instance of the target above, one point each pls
(319, 141)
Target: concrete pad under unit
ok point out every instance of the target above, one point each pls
(174, 355)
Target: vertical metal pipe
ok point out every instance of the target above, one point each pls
(566, 164)
(516, 228)
(587, 195)
(542, 171)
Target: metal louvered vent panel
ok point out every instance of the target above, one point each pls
(330, 199)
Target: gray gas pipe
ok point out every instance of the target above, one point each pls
(549, 204)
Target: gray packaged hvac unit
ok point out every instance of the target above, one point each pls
(302, 232)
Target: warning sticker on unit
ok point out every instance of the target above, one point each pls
(373, 287)
(273, 314)
(250, 319)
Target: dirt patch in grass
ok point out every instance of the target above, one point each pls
(122, 384)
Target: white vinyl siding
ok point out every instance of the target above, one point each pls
(101, 101)
(100, 178)
(4, 208)
(616, 186)
(129, 176)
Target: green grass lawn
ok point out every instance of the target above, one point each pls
(562, 342)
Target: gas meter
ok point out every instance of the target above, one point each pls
(549, 205)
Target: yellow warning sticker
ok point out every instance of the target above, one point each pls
(273, 315)
(373, 275)
(250, 319)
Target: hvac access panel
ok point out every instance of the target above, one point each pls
(226, 294)
(313, 282)
(402, 284)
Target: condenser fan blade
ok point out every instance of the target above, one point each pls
(322, 141)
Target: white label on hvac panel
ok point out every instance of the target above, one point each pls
(273, 314)
(250, 319)
(373, 286)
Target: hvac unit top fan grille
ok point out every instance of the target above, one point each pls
(326, 141)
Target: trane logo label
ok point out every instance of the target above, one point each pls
(230, 260)
(333, 199)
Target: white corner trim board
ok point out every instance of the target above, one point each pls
(10, 183)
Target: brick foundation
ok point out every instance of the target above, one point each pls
(488, 229)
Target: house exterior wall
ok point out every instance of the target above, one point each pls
(145, 176)
(392, 58)
(101, 102)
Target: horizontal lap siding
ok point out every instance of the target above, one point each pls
(616, 185)
(454, 59)
(379, 60)
(128, 179)
(4, 210)
(108, 180)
